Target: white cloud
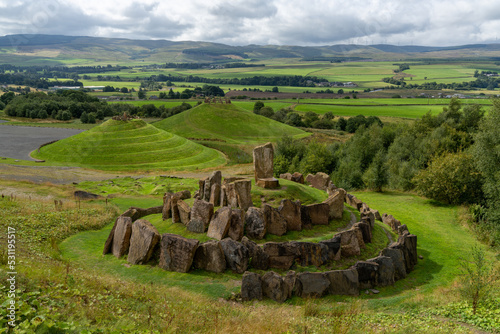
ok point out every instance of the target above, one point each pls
(241, 22)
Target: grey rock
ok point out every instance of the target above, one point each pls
(290, 211)
(209, 256)
(221, 221)
(122, 234)
(343, 282)
(142, 242)
(255, 225)
(177, 253)
(273, 287)
(236, 255)
(251, 286)
(312, 285)
(275, 223)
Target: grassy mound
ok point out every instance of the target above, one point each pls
(119, 145)
(228, 123)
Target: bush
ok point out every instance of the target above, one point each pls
(451, 178)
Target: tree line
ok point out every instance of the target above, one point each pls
(452, 157)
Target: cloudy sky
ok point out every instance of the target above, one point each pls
(243, 22)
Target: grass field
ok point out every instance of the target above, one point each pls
(228, 123)
(133, 145)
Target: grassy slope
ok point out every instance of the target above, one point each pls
(228, 123)
(116, 145)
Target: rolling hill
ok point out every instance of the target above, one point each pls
(227, 123)
(130, 145)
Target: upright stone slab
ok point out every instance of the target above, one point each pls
(142, 242)
(367, 274)
(176, 218)
(286, 176)
(237, 226)
(219, 226)
(386, 270)
(201, 214)
(391, 221)
(251, 286)
(273, 287)
(398, 261)
(122, 234)
(336, 206)
(232, 198)
(167, 206)
(343, 282)
(319, 180)
(349, 243)
(215, 194)
(281, 254)
(315, 214)
(236, 255)
(177, 253)
(312, 285)
(255, 225)
(311, 254)
(366, 231)
(297, 177)
(209, 256)
(184, 212)
(291, 212)
(258, 258)
(333, 245)
(242, 189)
(263, 162)
(274, 221)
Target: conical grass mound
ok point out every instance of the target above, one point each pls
(130, 145)
(228, 123)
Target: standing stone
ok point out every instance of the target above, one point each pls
(201, 188)
(206, 190)
(349, 243)
(232, 198)
(343, 282)
(209, 256)
(367, 274)
(255, 225)
(223, 195)
(259, 259)
(273, 287)
(237, 226)
(167, 206)
(397, 258)
(289, 282)
(319, 181)
(333, 248)
(216, 178)
(242, 189)
(359, 235)
(286, 176)
(176, 218)
(311, 254)
(183, 194)
(201, 214)
(386, 270)
(122, 234)
(177, 253)
(403, 229)
(312, 285)
(291, 212)
(221, 221)
(275, 223)
(184, 212)
(251, 286)
(352, 201)
(315, 214)
(281, 254)
(336, 206)
(297, 177)
(142, 242)
(215, 194)
(263, 160)
(391, 221)
(236, 255)
(366, 231)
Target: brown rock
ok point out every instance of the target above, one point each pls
(398, 261)
(242, 189)
(336, 206)
(251, 286)
(367, 274)
(365, 230)
(333, 248)
(343, 282)
(281, 254)
(319, 180)
(236, 254)
(391, 221)
(315, 214)
(312, 285)
(386, 270)
(289, 282)
(297, 177)
(221, 221)
(232, 198)
(273, 287)
(290, 211)
(223, 195)
(311, 254)
(352, 201)
(184, 211)
(263, 160)
(122, 234)
(176, 218)
(201, 213)
(237, 226)
(184, 194)
(177, 253)
(269, 183)
(167, 206)
(275, 223)
(286, 176)
(215, 194)
(142, 242)
(258, 258)
(349, 243)
(201, 188)
(209, 256)
(255, 225)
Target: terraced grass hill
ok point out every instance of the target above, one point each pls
(228, 123)
(130, 145)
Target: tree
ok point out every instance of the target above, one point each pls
(257, 106)
(141, 94)
(84, 118)
(477, 276)
(275, 90)
(451, 178)
(124, 90)
(340, 91)
(91, 118)
(266, 112)
(376, 176)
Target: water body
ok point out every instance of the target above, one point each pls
(17, 142)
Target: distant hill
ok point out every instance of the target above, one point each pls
(130, 145)
(79, 50)
(227, 123)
